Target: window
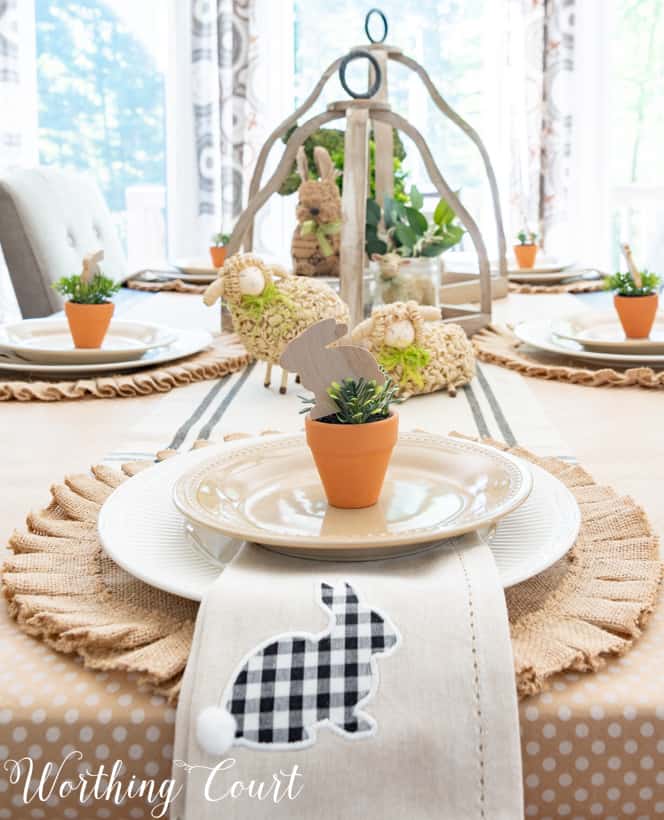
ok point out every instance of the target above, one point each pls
(456, 43)
(101, 76)
(636, 122)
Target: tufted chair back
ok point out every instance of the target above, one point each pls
(49, 220)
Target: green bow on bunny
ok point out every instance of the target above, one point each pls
(321, 232)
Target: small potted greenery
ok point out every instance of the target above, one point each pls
(218, 249)
(89, 309)
(635, 298)
(416, 242)
(352, 447)
(526, 250)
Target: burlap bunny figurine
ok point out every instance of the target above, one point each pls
(315, 245)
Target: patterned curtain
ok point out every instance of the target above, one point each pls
(10, 128)
(224, 56)
(10, 133)
(540, 76)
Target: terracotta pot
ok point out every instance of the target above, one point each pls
(352, 459)
(636, 314)
(525, 255)
(88, 323)
(218, 255)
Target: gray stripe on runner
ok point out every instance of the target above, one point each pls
(225, 403)
(480, 422)
(209, 397)
(503, 425)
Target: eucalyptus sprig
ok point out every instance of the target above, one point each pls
(358, 401)
(407, 230)
(96, 291)
(624, 285)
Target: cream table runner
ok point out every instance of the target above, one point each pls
(376, 689)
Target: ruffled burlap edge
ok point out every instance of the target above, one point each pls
(498, 345)
(173, 285)
(226, 355)
(62, 588)
(579, 286)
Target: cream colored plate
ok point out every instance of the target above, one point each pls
(186, 343)
(269, 492)
(603, 333)
(48, 341)
(144, 533)
(539, 334)
(195, 270)
(545, 266)
(570, 275)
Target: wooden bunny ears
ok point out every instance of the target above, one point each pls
(319, 365)
(326, 170)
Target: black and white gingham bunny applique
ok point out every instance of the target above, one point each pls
(290, 685)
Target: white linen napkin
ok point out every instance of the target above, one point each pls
(372, 690)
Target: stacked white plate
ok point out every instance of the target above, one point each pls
(178, 524)
(549, 272)
(594, 337)
(45, 347)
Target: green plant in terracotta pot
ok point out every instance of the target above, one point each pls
(635, 298)
(89, 309)
(218, 249)
(526, 250)
(353, 445)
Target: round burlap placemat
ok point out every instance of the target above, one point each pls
(498, 345)
(579, 286)
(63, 588)
(174, 285)
(224, 356)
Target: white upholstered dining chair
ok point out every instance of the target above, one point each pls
(49, 220)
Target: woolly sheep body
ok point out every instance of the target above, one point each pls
(451, 358)
(451, 363)
(267, 337)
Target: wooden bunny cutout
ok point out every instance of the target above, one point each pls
(318, 365)
(91, 265)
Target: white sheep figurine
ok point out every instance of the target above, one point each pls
(420, 352)
(267, 313)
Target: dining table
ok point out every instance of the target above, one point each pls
(582, 738)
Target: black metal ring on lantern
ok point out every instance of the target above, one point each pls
(367, 30)
(360, 54)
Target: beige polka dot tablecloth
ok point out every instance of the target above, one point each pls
(593, 745)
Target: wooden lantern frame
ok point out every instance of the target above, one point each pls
(361, 115)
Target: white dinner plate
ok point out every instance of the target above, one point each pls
(269, 492)
(48, 341)
(603, 333)
(544, 265)
(185, 343)
(568, 275)
(143, 532)
(539, 333)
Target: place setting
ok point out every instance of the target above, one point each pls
(624, 346)
(530, 270)
(89, 342)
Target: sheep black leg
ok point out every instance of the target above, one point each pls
(297, 379)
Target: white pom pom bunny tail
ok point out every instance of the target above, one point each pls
(215, 730)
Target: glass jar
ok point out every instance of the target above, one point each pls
(416, 279)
